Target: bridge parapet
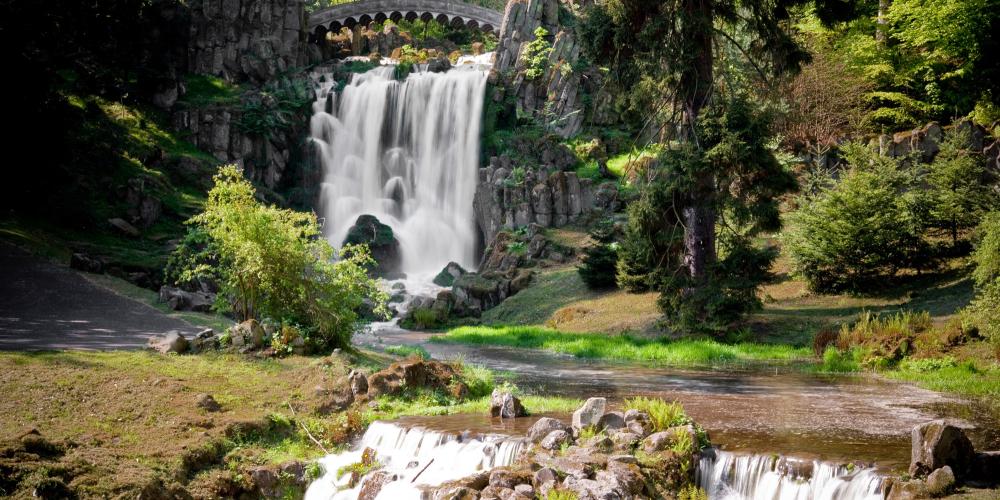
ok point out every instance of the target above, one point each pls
(366, 11)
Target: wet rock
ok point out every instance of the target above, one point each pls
(381, 241)
(555, 440)
(170, 342)
(207, 402)
(503, 404)
(939, 443)
(543, 426)
(611, 421)
(941, 481)
(449, 274)
(986, 468)
(438, 65)
(358, 382)
(589, 414)
(371, 487)
(908, 490)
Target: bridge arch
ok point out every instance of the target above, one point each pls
(454, 12)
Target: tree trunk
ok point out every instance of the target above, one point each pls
(696, 90)
(881, 22)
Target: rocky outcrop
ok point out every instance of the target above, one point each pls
(368, 230)
(937, 444)
(246, 40)
(924, 142)
(415, 374)
(505, 199)
(181, 300)
(216, 130)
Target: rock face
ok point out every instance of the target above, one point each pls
(939, 443)
(367, 230)
(547, 199)
(246, 39)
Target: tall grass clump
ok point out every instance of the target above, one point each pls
(662, 414)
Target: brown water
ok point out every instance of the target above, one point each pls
(763, 410)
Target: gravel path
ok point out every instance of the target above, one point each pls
(47, 307)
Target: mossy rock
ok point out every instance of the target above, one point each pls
(368, 230)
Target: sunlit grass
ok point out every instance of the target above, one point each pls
(685, 352)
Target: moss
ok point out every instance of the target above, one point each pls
(206, 90)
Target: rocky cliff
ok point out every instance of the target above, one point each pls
(246, 40)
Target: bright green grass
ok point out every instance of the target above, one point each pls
(204, 90)
(408, 350)
(960, 378)
(620, 163)
(685, 352)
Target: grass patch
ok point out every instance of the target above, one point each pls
(685, 352)
(621, 163)
(948, 375)
(207, 90)
(534, 305)
(408, 350)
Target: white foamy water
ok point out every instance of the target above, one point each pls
(416, 458)
(406, 152)
(732, 476)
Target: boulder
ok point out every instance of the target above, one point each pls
(939, 443)
(456, 493)
(124, 227)
(908, 490)
(373, 484)
(638, 422)
(611, 421)
(438, 64)
(206, 340)
(381, 241)
(167, 343)
(625, 440)
(941, 481)
(524, 491)
(555, 440)
(207, 402)
(410, 373)
(247, 334)
(503, 404)
(543, 476)
(543, 426)
(449, 274)
(358, 382)
(182, 300)
(590, 413)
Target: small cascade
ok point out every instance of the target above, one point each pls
(413, 458)
(731, 476)
(407, 152)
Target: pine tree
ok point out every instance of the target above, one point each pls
(599, 259)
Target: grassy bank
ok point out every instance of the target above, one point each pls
(686, 352)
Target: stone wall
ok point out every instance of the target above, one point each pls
(246, 40)
(925, 142)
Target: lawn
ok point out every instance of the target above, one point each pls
(683, 352)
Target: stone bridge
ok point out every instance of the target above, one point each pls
(362, 12)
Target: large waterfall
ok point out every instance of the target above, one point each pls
(731, 476)
(406, 152)
(412, 458)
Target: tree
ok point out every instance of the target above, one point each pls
(960, 194)
(864, 228)
(663, 56)
(273, 263)
(982, 312)
(600, 259)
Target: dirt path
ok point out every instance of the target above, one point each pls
(44, 306)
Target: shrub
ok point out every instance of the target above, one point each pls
(982, 313)
(835, 360)
(823, 339)
(536, 53)
(663, 415)
(863, 229)
(600, 260)
(959, 192)
(274, 263)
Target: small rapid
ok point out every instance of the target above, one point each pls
(412, 458)
(734, 476)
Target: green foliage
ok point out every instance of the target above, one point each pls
(983, 311)
(560, 494)
(960, 193)
(425, 318)
(274, 263)
(536, 54)
(692, 492)
(204, 90)
(735, 149)
(598, 266)
(278, 106)
(663, 414)
(836, 361)
(195, 259)
(358, 470)
(863, 229)
(407, 351)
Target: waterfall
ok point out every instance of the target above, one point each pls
(429, 457)
(406, 152)
(731, 476)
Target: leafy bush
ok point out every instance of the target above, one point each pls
(983, 311)
(276, 107)
(536, 53)
(851, 236)
(274, 263)
(599, 262)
